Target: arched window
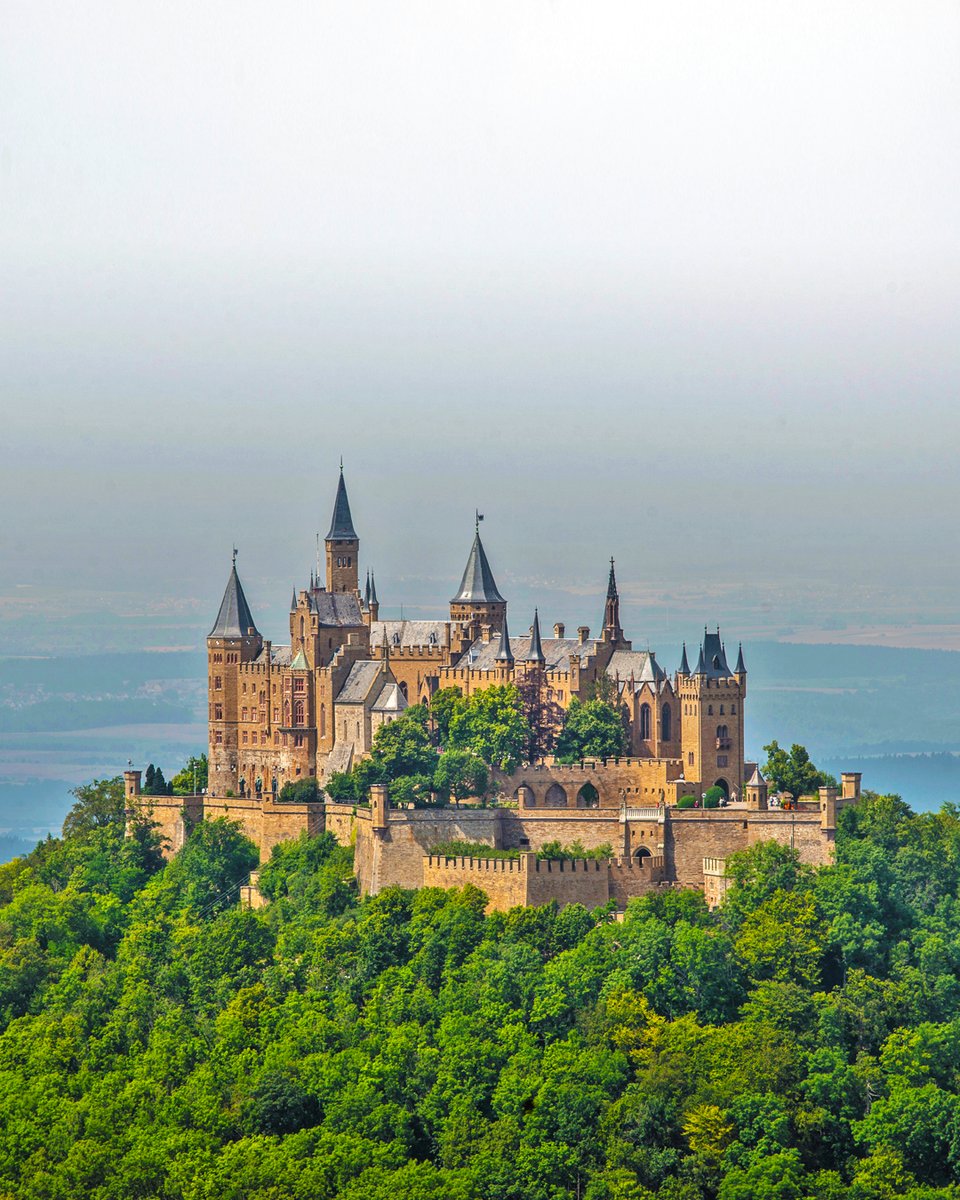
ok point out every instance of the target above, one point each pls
(588, 797)
(644, 721)
(323, 719)
(298, 713)
(403, 689)
(301, 626)
(666, 721)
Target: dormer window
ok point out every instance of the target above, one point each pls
(716, 662)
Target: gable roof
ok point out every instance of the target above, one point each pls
(408, 633)
(359, 683)
(336, 608)
(642, 665)
(391, 699)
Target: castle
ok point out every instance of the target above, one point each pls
(309, 708)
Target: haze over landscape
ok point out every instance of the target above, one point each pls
(673, 283)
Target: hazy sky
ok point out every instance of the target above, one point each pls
(677, 282)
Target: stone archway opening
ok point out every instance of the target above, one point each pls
(524, 796)
(556, 797)
(588, 796)
(641, 853)
(724, 787)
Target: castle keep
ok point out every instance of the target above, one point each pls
(311, 707)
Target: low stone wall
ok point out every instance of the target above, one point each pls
(527, 880)
(632, 877)
(639, 781)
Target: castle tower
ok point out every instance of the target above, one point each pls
(478, 601)
(343, 545)
(374, 604)
(755, 791)
(232, 641)
(711, 719)
(612, 633)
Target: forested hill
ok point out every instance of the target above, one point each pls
(157, 1041)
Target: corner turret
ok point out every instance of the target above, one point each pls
(478, 600)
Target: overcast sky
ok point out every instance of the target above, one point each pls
(676, 282)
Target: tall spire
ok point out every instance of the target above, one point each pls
(701, 668)
(341, 525)
(504, 654)
(477, 584)
(234, 618)
(293, 601)
(373, 589)
(611, 611)
(684, 664)
(535, 653)
(740, 668)
(366, 592)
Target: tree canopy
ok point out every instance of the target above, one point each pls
(792, 771)
(801, 1041)
(593, 729)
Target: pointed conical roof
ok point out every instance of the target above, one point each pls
(293, 601)
(234, 618)
(504, 654)
(366, 593)
(477, 583)
(756, 779)
(701, 668)
(612, 593)
(684, 664)
(373, 589)
(535, 653)
(341, 526)
(740, 669)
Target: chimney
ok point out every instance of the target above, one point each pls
(485, 632)
(559, 629)
(583, 632)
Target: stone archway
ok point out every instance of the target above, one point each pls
(588, 796)
(524, 796)
(723, 786)
(642, 852)
(556, 797)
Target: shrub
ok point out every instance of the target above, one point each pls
(687, 802)
(713, 797)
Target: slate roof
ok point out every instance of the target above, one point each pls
(391, 699)
(478, 583)
(641, 664)
(684, 664)
(740, 668)
(756, 779)
(336, 608)
(410, 633)
(340, 758)
(713, 658)
(505, 653)
(556, 652)
(341, 525)
(358, 684)
(234, 618)
(300, 662)
(280, 656)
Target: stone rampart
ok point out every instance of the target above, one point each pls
(526, 880)
(636, 781)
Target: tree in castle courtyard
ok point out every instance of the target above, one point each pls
(461, 774)
(544, 716)
(445, 704)
(492, 723)
(591, 730)
(792, 771)
(192, 777)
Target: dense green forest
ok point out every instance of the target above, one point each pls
(158, 1041)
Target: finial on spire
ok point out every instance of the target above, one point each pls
(235, 552)
(341, 464)
(478, 518)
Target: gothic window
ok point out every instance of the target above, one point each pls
(300, 684)
(403, 689)
(323, 719)
(298, 713)
(301, 627)
(217, 682)
(666, 722)
(218, 712)
(709, 710)
(243, 715)
(644, 721)
(689, 758)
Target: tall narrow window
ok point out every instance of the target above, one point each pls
(666, 722)
(645, 721)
